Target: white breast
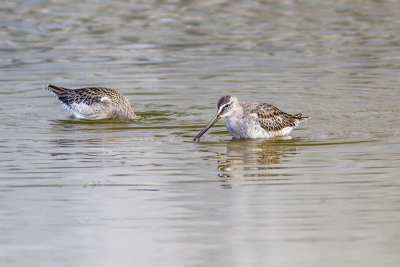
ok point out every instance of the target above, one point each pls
(250, 129)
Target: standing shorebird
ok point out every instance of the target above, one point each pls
(93, 103)
(253, 119)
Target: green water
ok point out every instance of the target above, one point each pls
(142, 193)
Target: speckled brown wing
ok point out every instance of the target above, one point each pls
(88, 95)
(93, 102)
(273, 119)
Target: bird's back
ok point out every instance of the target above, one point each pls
(93, 102)
(270, 118)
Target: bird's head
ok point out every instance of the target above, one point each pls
(226, 105)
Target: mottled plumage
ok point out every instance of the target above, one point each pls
(253, 119)
(93, 103)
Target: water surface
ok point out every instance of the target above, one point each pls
(79, 193)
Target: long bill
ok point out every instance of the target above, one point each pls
(209, 125)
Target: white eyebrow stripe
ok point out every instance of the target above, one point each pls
(224, 105)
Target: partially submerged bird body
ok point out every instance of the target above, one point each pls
(253, 119)
(261, 120)
(93, 103)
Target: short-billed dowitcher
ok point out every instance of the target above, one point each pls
(253, 119)
(93, 103)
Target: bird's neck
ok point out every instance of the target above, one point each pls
(236, 112)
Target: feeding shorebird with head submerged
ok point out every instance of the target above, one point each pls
(253, 119)
(93, 103)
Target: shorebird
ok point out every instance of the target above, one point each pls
(253, 119)
(93, 103)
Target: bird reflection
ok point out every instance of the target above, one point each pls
(252, 160)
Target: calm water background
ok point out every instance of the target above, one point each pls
(141, 193)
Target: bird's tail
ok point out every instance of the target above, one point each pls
(299, 116)
(57, 91)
